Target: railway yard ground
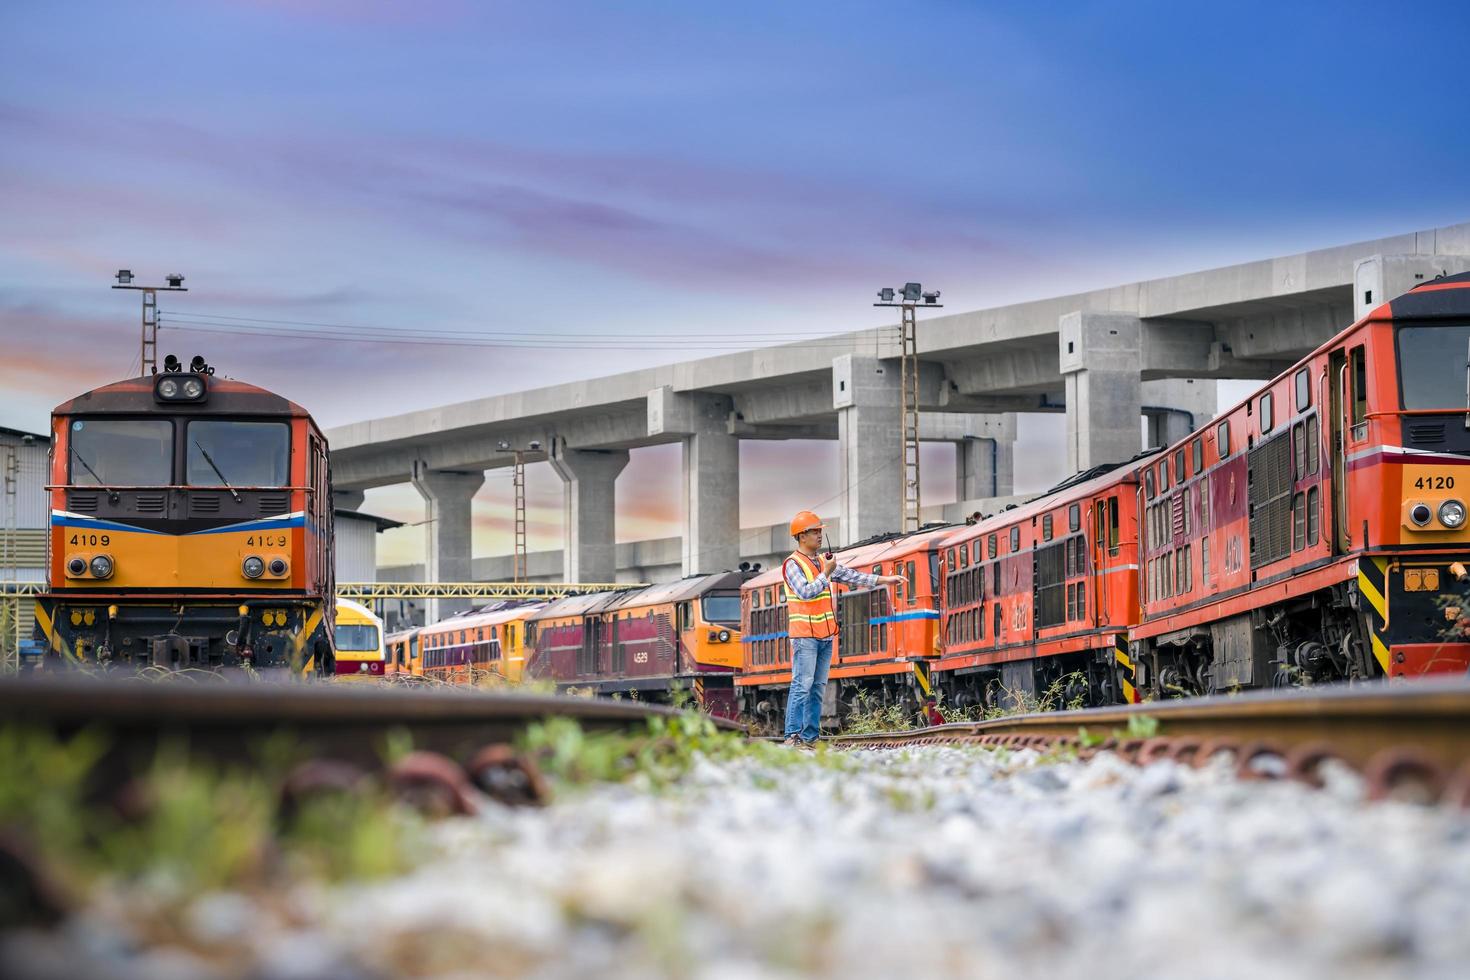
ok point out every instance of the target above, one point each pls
(671, 847)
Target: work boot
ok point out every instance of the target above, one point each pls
(794, 741)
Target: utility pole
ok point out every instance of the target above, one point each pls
(518, 480)
(148, 347)
(912, 295)
(10, 557)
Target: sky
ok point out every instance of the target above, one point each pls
(599, 187)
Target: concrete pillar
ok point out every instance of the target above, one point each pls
(1176, 407)
(447, 531)
(588, 524)
(1101, 361)
(865, 392)
(984, 468)
(348, 499)
(710, 492)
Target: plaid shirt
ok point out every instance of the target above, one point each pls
(796, 579)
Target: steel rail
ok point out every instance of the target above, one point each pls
(1427, 720)
(225, 719)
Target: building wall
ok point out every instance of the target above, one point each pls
(25, 515)
(356, 548)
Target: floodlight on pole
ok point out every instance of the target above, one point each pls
(148, 348)
(912, 294)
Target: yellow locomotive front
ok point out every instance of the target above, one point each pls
(191, 525)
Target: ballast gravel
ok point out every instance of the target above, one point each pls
(929, 862)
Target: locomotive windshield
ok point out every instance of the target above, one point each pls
(238, 454)
(721, 608)
(122, 452)
(357, 637)
(1433, 362)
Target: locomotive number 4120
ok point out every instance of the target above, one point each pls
(1435, 483)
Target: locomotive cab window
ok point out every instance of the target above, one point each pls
(721, 608)
(1222, 440)
(1179, 473)
(1266, 412)
(1431, 367)
(1303, 390)
(240, 454)
(1015, 540)
(1074, 517)
(122, 452)
(1198, 449)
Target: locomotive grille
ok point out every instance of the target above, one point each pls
(1426, 433)
(203, 505)
(150, 503)
(81, 503)
(273, 503)
(1051, 596)
(1270, 500)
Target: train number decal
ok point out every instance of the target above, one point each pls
(1435, 483)
(91, 540)
(640, 657)
(266, 541)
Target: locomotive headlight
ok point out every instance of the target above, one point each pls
(1420, 514)
(724, 636)
(1452, 513)
(76, 568)
(168, 388)
(252, 567)
(193, 388)
(101, 567)
(278, 566)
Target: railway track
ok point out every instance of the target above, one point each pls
(1406, 739)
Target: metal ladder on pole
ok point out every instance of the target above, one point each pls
(909, 371)
(519, 480)
(9, 559)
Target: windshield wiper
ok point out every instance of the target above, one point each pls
(83, 461)
(210, 460)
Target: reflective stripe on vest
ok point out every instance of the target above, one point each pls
(815, 617)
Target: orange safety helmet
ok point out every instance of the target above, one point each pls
(805, 521)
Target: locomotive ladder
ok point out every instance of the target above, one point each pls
(909, 372)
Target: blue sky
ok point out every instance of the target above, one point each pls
(699, 172)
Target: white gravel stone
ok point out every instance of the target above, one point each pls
(940, 861)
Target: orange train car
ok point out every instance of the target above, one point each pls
(648, 643)
(1042, 594)
(485, 644)
(887, 635)
(191, 526)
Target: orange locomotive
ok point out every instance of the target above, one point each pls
(487, 643)
(191, 526)
(887, 635)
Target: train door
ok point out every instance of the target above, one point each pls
(1337, 385)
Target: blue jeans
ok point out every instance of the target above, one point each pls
(810, 659)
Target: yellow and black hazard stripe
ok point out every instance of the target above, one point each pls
(1127, 673)
(55, 641)
(699, 692)
(1373, 587)
(922, 680)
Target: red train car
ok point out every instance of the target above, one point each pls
(647, 642)
(887, 636)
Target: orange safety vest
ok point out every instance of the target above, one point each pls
(816, 617)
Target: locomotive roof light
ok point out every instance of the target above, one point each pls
(175, 386)
(171, 364)
(1420, 514)
(1452, 513)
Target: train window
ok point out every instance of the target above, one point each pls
(1204, 504)
(1199, 456)
(1113, 526)
(1222, 440)
(240, 454)
(975, 552)
(990, 547)
(1046, 528)
(1163, 477)
(122, 452)
(1299, 449)
(1312, 516)
(995, 580)
(1314, 447)
(1185, 499)
(682, 611)
(768, 595)
(912, 581)
(1266, 413)
(1179, 471)
(1015, 540)
(1148, 482)
(1204, 562)
(780, 597)
(1000, 623)
(1298, 522)
(1081, 600)
(1074, 517)
(1358, 362)
(1303, 390)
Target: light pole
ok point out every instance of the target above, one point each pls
(149, 346)
(518, 478)
(912, 296)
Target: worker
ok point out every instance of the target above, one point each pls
(811, 622)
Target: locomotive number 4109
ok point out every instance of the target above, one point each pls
(266, 541)
(1435, 483)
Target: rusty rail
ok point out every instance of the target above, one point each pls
(1395, 734)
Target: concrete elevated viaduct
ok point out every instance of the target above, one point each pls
(1106, 358)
